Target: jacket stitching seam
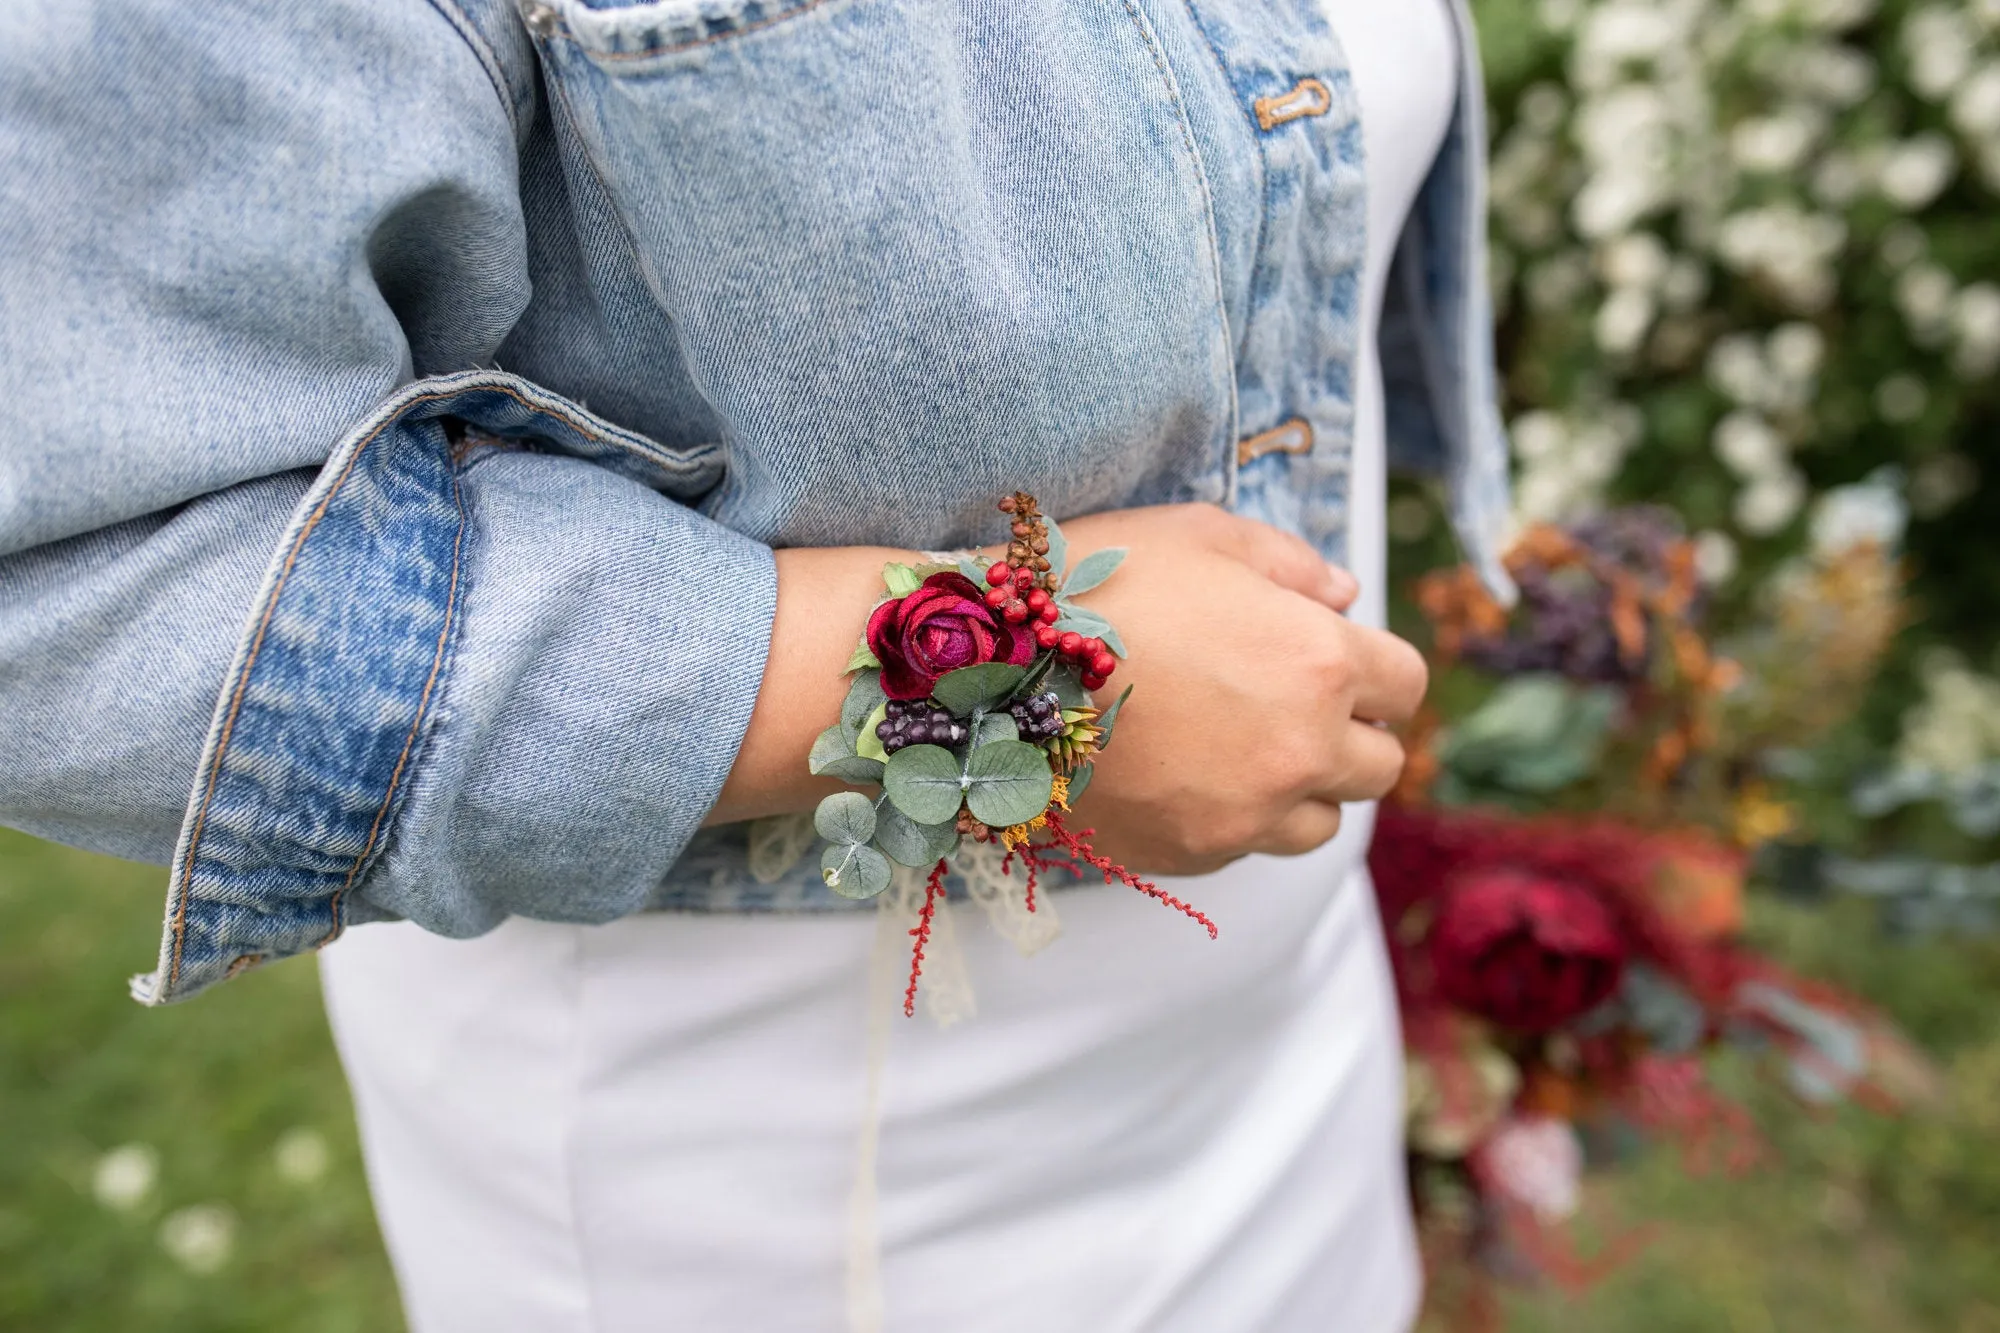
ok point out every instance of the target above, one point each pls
(416, 723)
(487, 58)
(1207, 197)
(598, 169)
(672, 48)
(184, 889)
(1257, 255)
(628, 233)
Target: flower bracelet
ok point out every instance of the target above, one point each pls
(971, 710)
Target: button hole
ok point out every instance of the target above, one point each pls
(1308, 97)
(1292, 437)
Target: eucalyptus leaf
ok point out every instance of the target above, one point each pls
(868, 744)
(846, 818)
(901, 580)
(1058, 548)
(1089, 624)
(832, 746)
(1093, 569)
(912, 843)
(863, 697)
(854, 768)
(975, 572)
(973, 687)
(1011, 783)
(854, 872)
(994, 727)
(861, 659)
(1109, 716)
(923, 781)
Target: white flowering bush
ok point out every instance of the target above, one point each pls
(1746, 251)
(1746, 264)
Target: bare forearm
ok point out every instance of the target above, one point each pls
(824, 595)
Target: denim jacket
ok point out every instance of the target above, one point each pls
(403, 397)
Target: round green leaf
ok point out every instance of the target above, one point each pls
(846, 818)
(1010, 781)
(973, 687)
(853, 768)
(854, 872)
(912, 843)
(831, 745)
(862, 697)
(995, 727)
(923, 782)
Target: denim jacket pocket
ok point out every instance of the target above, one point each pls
(965, 245)
(622, 32)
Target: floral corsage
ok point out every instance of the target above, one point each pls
(971, 709)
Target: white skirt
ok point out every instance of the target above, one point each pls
(653, 1125)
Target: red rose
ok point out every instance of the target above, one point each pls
(942, 626)
(1528, 951)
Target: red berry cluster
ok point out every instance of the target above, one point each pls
(1019, 588)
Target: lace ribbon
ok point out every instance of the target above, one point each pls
(948, 997)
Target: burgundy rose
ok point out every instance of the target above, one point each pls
(1528, 951)
(942, 626)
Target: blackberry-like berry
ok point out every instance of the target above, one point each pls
(1038, 719)
(917, 722)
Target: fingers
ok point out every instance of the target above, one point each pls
(1286, 560)
(1309, 824)
(1370, 761)
(1388, 676)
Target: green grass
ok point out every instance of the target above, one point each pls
(211, 1086)
(1856, 1222)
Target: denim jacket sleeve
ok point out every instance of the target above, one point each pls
(292, 593)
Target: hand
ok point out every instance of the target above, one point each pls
(1257, 703)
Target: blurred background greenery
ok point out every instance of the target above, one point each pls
(1745, 254)
(191, 1170)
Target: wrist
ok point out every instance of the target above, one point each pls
(823, 593)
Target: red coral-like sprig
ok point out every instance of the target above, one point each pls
(1031, 862)
(933, 890)
(1079, 850)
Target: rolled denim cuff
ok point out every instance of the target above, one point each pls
(495, 667)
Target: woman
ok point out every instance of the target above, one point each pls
(307, 594)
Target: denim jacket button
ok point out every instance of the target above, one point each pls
(540, 18)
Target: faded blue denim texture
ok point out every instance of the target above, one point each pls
(404, 399)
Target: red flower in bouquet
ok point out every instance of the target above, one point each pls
(1528, 951)
(942, 626)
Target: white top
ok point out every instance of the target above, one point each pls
(1403, 58)
(654, 1124)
